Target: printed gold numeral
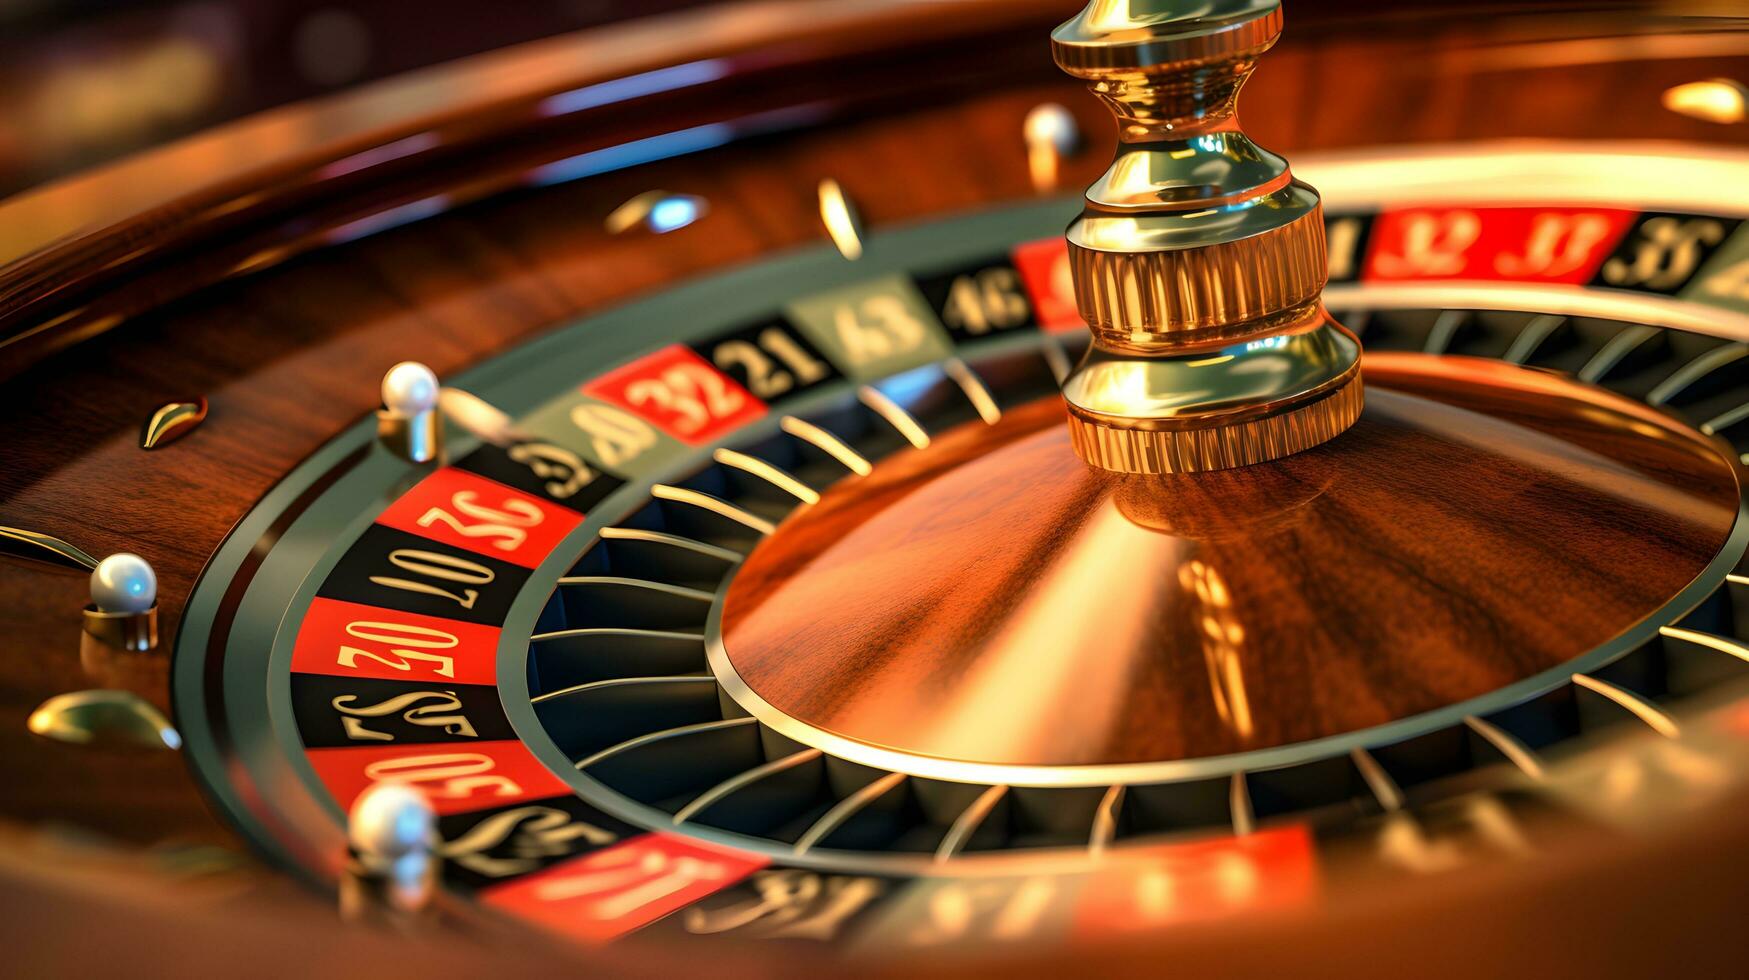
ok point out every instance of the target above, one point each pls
(564, 470)
(789, 904)
(435, 565)
(528, 833)
(986, 300)
(759, 362)
(1666, 253)
(448, 776)
(1433, 244)
(617, 437)
(507, 523)
(443, 712)
(877, 327)
(1558, 244)
(407, 643)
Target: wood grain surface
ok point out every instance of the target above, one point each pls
(234, 282)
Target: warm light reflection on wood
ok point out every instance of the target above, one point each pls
(1223, 639)
(1718, 100)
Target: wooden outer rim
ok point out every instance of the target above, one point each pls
(80, 256)
(270, 186)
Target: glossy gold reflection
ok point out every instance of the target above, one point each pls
(103, 717)
(172, 422)
(1196, 238)
(44, 547)
(843, 224)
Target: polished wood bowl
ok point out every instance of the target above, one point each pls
(273, 265)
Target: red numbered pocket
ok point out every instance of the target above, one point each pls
(348, 639)
(456, 507)
(456, 778)
(1197, 881)
(1564, 245)
(1044, 267)
(678, 392)
(610, 892)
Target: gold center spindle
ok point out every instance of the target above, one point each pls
(1198, 260)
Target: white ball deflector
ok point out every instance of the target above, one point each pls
(124, 583)
(1049, 124)
(391, 820)
(410, 388)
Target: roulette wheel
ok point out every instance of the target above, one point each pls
(674, 497)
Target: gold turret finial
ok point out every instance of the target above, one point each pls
(1198, 260)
